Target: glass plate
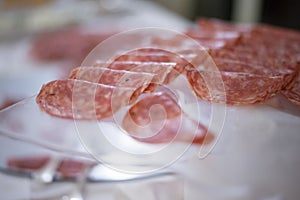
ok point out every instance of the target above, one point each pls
(101, 140)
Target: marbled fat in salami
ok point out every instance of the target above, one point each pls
(112, 77)
(252, 68)
(161, 71)
(153, 55)
(221, 25)
(293, 93)
(70, 44)
(76, 99)
(247, 83)
(233, 64)
(214, 39)
(234, 88)
(157, 118)
(268, 67)
(160, 56)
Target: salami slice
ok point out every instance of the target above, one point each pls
(68, 44)
(211, 39)
(252, 68)
(157, 118)
(177, 56)
(259, 39)
(221, 25)
(206, 34)
(153, 55)
(76, 99)
(112, 77)
(283, 36)
(161, 71)
(275, 68)
(234, 88)
(260, 61)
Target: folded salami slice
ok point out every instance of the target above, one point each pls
(157, 118)
(77, 99)
(112, 77)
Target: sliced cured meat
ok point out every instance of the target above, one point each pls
(76, 99)
(245, 65)
(155, 55)
(234, 88)
(254, 54)
(161, 71)
(205, 34)
(221, 25)
(177, 129)
(258, 38)
(181, 59)
(266, 68)
(293, 93)
(211, 39)
(183, 50)
(261, 39)
(265, 48)
(140, 111)
(171, 44)
(262, 61)
(70, 44)
(112, 77)
(283, 36)
(211, 43)
(260, 57)
(157, 118)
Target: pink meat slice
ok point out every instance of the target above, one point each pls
(251, 69)
(157, 118)
(159, 55)
(112, 77)
(155, 55)
(161, 71)
(66, 44)
(82, 100)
